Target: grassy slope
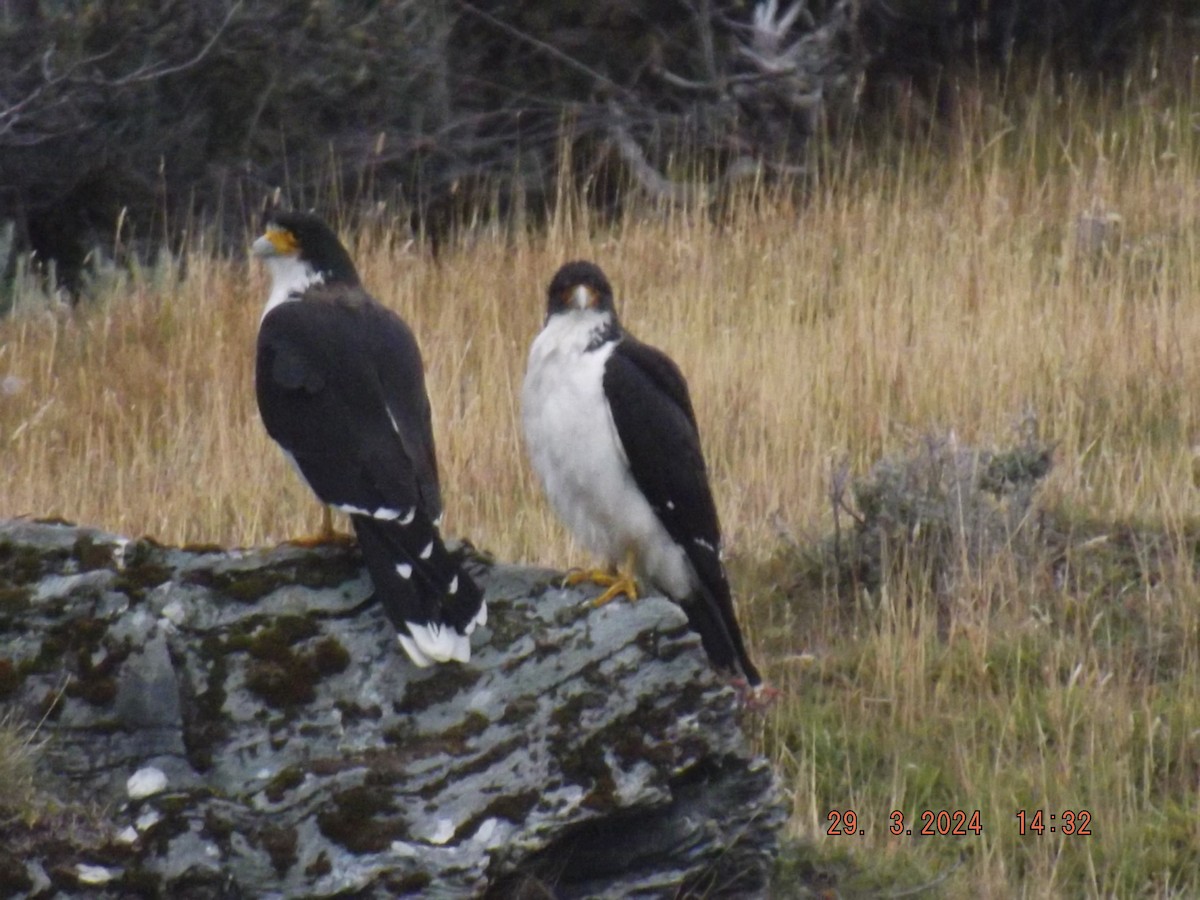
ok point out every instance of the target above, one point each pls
(951, 287)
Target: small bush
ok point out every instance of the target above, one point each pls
(938, 513)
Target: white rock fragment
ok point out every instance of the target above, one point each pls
(403, 848)
(443, 833)
(52, 587)
(146, 783)
(485, 831)
(148, 820)
(127, 835)
(93, 874)
(480, 700)
(174, 613)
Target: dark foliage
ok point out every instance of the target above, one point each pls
(125, 123)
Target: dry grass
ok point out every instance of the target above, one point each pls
(951, 287)
(18, 747)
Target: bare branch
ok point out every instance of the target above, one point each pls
(718, 87)
(663, 188)
(548, 49)
(654, 182)
(13, 114)
(151, 73)
(10, 115)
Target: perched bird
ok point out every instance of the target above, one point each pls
(611, 433)
(341, 388)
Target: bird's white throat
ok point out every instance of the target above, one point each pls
(571, 332)
(290, 277)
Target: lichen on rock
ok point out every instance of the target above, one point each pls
(298, 753)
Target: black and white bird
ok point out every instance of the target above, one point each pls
(611, 433)
(341, 388)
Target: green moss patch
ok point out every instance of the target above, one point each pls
(513, 807)
(218, 829)
(439, 689)
(272, 639)
(10, 679)
(281, 685)
(319, 867)
(205, 725)
(91, 555)
(280, 842)
(286, 780)
(363, 820)
(284, 677)
(249, 585)
(72, 646)
(14, 879)
(584, 765)
(14, 600)
(413, 883)
(22, 565)
(136, 583)
(507, 626)
(145, 565)
(353, 712)
(494, 754)
(567, 714)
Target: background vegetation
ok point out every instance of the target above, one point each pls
(946, 384)
(127, 125)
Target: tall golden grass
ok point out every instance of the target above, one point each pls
(1034, 258)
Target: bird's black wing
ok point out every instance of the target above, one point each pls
(653, 414)
(340, 387)
(402, 377)
(322, 399)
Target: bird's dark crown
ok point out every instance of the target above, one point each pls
(315, 243)
(574, 275)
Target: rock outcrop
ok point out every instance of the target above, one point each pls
(242, 724)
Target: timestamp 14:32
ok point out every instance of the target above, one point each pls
(958, 822)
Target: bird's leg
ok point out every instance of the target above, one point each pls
(326, 535)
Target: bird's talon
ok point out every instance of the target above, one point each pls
(622, 585)
(575, 577)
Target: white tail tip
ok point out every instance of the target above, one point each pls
(439, 643)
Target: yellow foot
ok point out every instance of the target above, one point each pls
(309, 541)
(617, 584)
(326, 536)
(594, 576)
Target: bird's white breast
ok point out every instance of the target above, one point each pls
(576, 452)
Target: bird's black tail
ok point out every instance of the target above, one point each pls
(710, 614)
(430, 598)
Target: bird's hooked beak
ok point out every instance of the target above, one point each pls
(582, 297)
(275, 242)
